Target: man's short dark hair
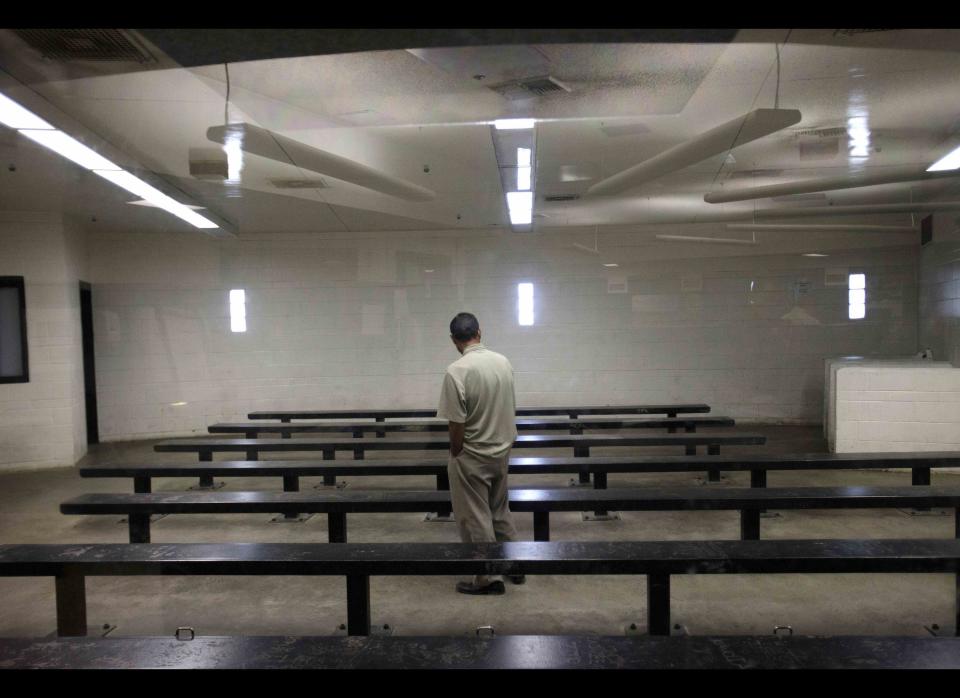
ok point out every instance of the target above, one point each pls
(464, 327)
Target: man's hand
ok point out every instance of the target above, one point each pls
(456, 438)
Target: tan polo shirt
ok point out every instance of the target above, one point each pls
(478, 392)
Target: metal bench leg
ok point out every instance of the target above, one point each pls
(576, 431)
(658, 604)
(381, 433)
(139, 525)
(337, 527)
(358, 454)
(599, 481)
(329, 480)
(142, 485)
(671, 415)
(690, 450)
(749, 524)
(541, 526)
(358, 604)
(920, 477)
(956, 522)
(444, 511)
(71, 605)
(252, 454)
(758, 478)
(713, 475)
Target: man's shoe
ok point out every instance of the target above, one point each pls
(517, 578)
(491, 589)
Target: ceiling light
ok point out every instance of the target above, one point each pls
(814, 254)
(137, 186)
(520, 205)
(950, 161)
(523, 157)
(513, 124)
(523, 178)
(611, 265)
(15, 116)
(70, 148)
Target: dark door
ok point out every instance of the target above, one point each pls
(89, 369)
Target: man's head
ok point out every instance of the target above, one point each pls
(464, 330)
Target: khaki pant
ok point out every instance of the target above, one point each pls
(478, 492)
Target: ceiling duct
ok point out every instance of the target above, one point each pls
(822, 227)
(868, 209)
(891, 175)
(561, 197)
(744, 129)
(66, 45)
(267, 144)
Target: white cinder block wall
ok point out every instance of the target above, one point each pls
(898, 409)
(42, 422)
(360, 320)
(940, 291)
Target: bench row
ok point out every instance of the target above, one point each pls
(920, 465)
(71, 564)
(511, 652)
(336, 505)
(251, 430)
(572, 412)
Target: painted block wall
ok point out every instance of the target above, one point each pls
(897, 409)
(361, 320)
(42, 421)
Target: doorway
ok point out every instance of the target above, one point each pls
(89, 368)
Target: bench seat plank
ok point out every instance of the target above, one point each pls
(521, 411)
(521, 500)
(510, 652)
(442, 426)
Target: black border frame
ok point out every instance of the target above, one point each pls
(17, 283)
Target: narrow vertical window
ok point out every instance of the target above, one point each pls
(857, 296)
(525, 304)
(13, 331)
(238, 310)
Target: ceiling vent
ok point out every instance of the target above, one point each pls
(836, 132)
(750, 174)
(65, 45)
(299, 183)
(854, 32)
(527, 88)
(562, 197)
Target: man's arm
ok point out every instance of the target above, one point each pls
(456, 437)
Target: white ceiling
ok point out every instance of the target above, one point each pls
(399, 111)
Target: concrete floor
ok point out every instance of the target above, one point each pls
(868, 604)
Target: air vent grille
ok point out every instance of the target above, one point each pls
(836, 132)
(86, 45)
(299, 183)
(750, 174)
(562, 197)
(853, 32)
(525, 88)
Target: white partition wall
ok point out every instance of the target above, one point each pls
(897, 408)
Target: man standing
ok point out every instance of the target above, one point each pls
(478, 401)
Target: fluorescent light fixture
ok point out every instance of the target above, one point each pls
(523, 178)
(233, 147)
(859, 134)
(520, 205)
(525, 304)
(137, 186)
(858, 281)
(177, 404)
(70, 148)
(15, 116)
(857, 312)
(814, 254)
(513, 124)
(523, 157)
(238, 310)
(611, 265)
(950, 161)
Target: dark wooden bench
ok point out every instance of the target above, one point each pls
(573, 412)
(252, 430)
(291, 471)
(508, 652)
(581, 444)
(71, 564)
(336, 505)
